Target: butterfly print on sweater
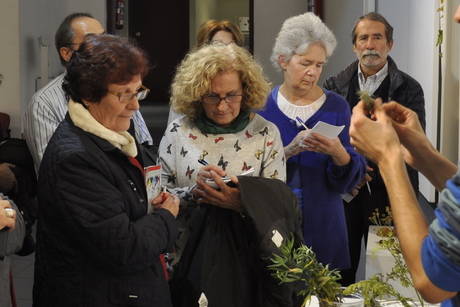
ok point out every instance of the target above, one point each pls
(274, 175)
(217, 140)
(223, 164)
(245, 166)
(203, 155)
(183, 152)
(189, 172)
(172, 178)
(174, 128)
(237, 146)
(264, 132)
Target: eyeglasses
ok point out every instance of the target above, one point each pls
(215, 99)
(141, 94)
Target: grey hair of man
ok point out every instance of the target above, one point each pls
(298, 33)
(374, 17)
(64, 34)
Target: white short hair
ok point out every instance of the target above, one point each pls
(296, 35)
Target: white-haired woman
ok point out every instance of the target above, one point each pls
(319, 169)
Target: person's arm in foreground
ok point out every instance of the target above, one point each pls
(379, 141)
(417, 149)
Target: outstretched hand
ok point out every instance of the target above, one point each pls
(375, 138)
(409, 130)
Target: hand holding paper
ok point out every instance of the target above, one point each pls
(327, 130)
(323, 138)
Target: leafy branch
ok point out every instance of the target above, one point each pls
(300, 264)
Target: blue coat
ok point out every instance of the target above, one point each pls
(318, 182)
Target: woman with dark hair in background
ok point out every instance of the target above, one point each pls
(214, 31)
(96, 243)
(222, 31)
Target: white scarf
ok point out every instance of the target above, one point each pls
(84, 120)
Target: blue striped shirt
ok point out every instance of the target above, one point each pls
(48, 108)
(441, 249)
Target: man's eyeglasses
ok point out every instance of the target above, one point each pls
(141, 94)
(215, 99)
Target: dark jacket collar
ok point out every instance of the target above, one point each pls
(344, 77)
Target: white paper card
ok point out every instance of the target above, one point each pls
(152, 183)
(347, 197)
(326, 129)
(203, 300)
(277, 238)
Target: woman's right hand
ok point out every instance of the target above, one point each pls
(7, 217)
(205, 172)
(297, 145)
(167, 201)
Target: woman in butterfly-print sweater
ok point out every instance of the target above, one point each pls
(217, 88)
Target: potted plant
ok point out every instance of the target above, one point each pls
(300, 265)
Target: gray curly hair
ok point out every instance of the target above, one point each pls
(297, 33)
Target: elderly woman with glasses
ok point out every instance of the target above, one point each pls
(99, 244)
(218, 88)
(319, 168)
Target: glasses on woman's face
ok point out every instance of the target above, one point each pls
(216, 99)
(141, 94)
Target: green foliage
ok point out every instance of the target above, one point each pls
(300, 265)
(375, 288)
(399, 272)
(382, 219)
(368, 100)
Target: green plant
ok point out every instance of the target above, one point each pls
(374, 288)
(390, 242)
(300, 265)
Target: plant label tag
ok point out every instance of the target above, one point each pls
(203, 300)
(277, 238)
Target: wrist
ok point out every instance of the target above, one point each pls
(342, 157)
(290, 150)
(391, 161)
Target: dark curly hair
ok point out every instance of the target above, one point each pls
(102, 60)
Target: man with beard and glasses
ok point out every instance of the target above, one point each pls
(376, 73)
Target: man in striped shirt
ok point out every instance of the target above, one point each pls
(49, 105)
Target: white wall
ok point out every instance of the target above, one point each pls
(415, 24)
(268, 18)
(41, 18)
(9, 63)
(450, 102)
(340, 17)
